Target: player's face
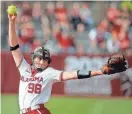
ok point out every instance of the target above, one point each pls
(40, 62)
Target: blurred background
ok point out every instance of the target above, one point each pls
(79, 35)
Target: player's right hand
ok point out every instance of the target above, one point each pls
(12, 18)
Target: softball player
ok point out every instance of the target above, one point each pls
(36, 80)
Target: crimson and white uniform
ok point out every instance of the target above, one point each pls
(35, 88)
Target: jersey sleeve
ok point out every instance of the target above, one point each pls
(25, 68)
(55, 75)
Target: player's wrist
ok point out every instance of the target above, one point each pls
(11, 21)
(81, 74)
(100, 72)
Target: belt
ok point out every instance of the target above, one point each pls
(25, 110)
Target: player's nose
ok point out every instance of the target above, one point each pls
(41, 61)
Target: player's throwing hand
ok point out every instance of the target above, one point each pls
(12, 17)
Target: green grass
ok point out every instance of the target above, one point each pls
(73, 105)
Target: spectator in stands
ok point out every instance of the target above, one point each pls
(37, 16)
(61, 12)
(113, 12)
(120, 27)
(65, 41)
(50, 13)
(26, 14)
(102, 46)
(86, 16)
(37, 11)
(26, 9)
(81, 38)
(113, 45)
(130, 35)
(27, 39)
(124, 41)
(49, 41)
(75, 18)
(98, 37)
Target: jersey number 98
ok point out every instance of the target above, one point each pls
(34, 88)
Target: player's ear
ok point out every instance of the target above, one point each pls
(49, 60)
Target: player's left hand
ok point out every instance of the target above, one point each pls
(116, 63)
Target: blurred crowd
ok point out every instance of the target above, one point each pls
(74, 29)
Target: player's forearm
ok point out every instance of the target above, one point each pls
(13, 41)
(80, 74)
(96, 73)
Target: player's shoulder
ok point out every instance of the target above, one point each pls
(50, 69)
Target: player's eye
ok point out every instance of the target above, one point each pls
(40, 58)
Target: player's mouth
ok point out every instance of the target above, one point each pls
(39, 66)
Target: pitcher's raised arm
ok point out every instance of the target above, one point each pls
(13, 41)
